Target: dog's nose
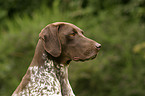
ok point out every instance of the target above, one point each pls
(98, 46)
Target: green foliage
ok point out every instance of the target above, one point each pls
(118, 25)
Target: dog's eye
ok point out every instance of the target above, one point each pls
(72, 34)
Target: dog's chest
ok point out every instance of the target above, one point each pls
(43, 81)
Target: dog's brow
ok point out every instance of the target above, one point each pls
(74, 30)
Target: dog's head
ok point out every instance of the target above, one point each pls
(66, 40)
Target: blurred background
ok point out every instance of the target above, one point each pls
(119, 25)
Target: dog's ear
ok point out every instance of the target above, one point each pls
(51, 41)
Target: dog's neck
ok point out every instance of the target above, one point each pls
(62, 75)
(46, 63)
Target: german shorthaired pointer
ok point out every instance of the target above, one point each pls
(58, 44)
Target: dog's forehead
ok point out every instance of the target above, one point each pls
(65, 23)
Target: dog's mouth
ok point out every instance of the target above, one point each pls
(84, 59)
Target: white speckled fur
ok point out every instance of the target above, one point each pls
(44, 81)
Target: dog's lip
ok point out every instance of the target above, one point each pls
(80, 59)
(76, 58)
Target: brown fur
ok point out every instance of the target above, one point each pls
(62, 42)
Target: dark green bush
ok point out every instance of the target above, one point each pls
(119, 26)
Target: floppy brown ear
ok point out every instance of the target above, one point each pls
(51, 40)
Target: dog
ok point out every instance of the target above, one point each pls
(59, 43)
